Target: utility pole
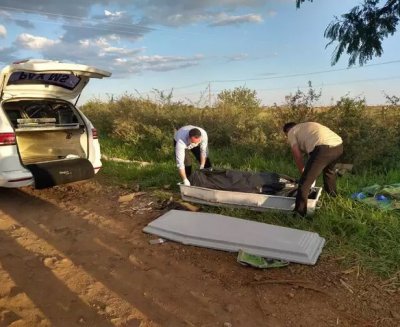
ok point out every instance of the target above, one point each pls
(209, 94)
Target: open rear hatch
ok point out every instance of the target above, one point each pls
(46, 79)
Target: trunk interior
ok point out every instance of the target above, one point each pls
(41, 146)
(47, 130)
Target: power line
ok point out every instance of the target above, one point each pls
(143, 27)
(39, 12)
(132, 32)
(131, 28)
(286, 76)
(304, 87)
(191, 85)
(336, 83)
(215, 92)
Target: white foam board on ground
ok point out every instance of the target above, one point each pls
(233, 234)
(253, 201)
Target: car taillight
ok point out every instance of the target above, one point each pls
(94, 133)
(7, 138)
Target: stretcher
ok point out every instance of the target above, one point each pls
(252, 201)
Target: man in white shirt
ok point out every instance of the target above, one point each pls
(194, 139)
(323, 147)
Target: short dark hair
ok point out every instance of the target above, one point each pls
(288, 126)
(194, 132)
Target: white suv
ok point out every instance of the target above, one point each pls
(44, 139)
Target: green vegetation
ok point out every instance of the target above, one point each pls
(250, 138)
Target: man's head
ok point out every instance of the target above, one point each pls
(288, 126)
(195, 136)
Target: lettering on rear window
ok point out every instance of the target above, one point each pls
(67, 81)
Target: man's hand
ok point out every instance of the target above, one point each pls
(186, 182)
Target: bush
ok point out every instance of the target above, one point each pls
(240, 98)
(368, 140)
(298, 107)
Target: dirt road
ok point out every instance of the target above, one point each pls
(74, 256)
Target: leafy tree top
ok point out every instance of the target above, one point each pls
(240, 98)
(361, 31)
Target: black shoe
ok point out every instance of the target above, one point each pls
(296, 214)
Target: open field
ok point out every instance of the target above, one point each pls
(76, 256)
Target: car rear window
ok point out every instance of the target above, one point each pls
(41, 112)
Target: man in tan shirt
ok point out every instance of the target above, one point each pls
(323, 147)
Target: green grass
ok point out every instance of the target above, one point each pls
(362, 235)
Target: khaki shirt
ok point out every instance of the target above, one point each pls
(308, 135)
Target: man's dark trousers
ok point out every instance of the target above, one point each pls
(321, 160)
(188, 161)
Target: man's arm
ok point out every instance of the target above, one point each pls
(298, 157)
(180, 160)
(182, 173)
(203, 150)
(202, 160)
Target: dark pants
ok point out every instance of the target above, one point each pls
(188, 159)
(321, 160)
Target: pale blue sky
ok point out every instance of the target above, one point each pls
(189, 45)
